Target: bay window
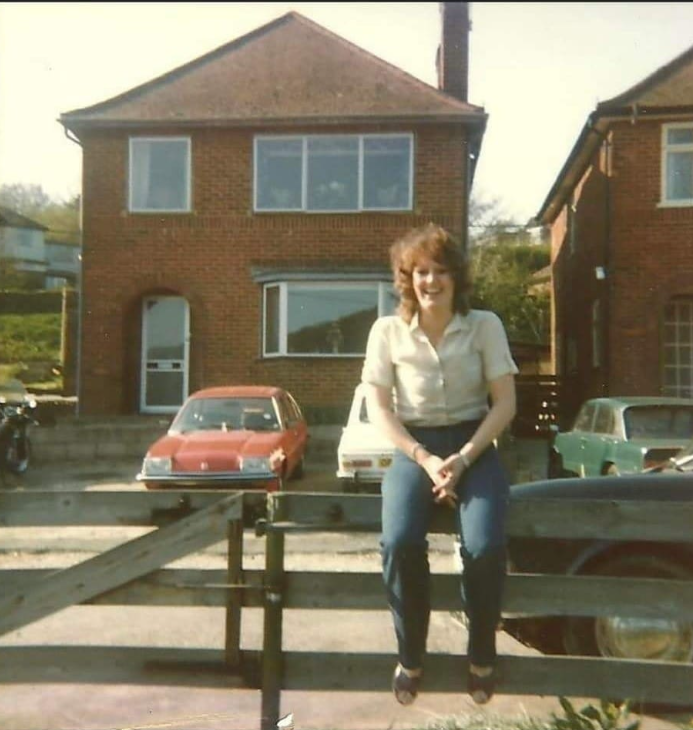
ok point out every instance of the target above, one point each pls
(322, 318)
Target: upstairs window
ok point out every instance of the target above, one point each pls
(677, 164)
(334, 173)
(159, 174)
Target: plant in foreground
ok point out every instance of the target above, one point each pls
(607, 716)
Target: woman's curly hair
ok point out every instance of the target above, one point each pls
(434, 242)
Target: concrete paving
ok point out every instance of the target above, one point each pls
(131, 705)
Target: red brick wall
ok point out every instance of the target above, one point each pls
(206, 257)
(646, 250)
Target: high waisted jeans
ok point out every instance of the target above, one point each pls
(407, 508)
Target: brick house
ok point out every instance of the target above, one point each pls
(237, 213)
(621, 220)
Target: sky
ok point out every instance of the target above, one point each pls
(538, 69)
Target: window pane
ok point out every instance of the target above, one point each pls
(164, 388)
(333, 172)
(279, 166)
(272, 319)
(330, 320)
(159, 174)
(679, 175)
(680, 136)
(165, 329)
(386, 167)
(391, 301)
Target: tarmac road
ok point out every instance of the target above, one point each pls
(78, 706)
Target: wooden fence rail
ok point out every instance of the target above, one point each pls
(135, 574)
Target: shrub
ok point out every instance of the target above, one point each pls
(30, 337)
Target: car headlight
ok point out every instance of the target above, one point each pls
(255, 463)
(156, 465)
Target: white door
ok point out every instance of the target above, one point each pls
(165, 349)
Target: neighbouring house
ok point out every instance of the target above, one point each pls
(621, 220)
(62, 264)
(237, 213)
(22, 248)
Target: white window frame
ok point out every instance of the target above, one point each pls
(382, 292)
(676, 365)
(188, 182)
(304, 173)
(666, 148)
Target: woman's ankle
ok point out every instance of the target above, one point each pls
(481, 671)
(415, 672)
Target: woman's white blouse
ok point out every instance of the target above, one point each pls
(438, 387)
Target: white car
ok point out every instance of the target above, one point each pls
(363, 454)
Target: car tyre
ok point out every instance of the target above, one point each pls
(18, 456)
(299, 469)
(611, 470)
(611, 636)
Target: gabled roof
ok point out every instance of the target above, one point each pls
(289, 70)
(11, 219)
(669, 90)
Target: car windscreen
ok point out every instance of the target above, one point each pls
(659, 422)
(203, 414)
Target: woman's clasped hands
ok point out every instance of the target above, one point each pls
(444, 474)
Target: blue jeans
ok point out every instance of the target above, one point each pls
(407, 506)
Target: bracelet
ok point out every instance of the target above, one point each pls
(414, 449)
(465, 460)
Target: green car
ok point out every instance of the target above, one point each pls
(621, 435)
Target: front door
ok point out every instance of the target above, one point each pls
(165, 345)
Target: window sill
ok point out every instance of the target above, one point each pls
(294, 211)
(189, 211)
(675, 204)
(309, 356)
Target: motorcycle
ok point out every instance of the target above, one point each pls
(16, 418)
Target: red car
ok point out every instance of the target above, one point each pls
(246, 436)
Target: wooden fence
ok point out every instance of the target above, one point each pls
(133, 574)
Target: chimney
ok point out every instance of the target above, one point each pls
(452, 60)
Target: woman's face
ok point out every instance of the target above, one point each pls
(433, 285)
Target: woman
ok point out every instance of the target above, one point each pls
(443, 361)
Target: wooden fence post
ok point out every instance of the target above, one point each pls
(272, 658)
(234, 598)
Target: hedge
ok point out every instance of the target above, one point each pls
(31, 302)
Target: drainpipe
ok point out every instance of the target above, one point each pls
(78, 365)
(606, 326)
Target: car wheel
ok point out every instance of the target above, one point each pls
(555, 466)
(651, 638)
(17, 456)
(611, 470)
(299, 469)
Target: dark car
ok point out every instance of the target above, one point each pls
(654, 638)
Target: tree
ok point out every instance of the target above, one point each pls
(504, 257)
(61, 217)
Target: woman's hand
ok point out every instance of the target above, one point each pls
(448, 475)
(443, 484)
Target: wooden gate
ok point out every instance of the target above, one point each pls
(132, 574)
(129, 574)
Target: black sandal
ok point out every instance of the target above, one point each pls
(405, 688)
(480, 688)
